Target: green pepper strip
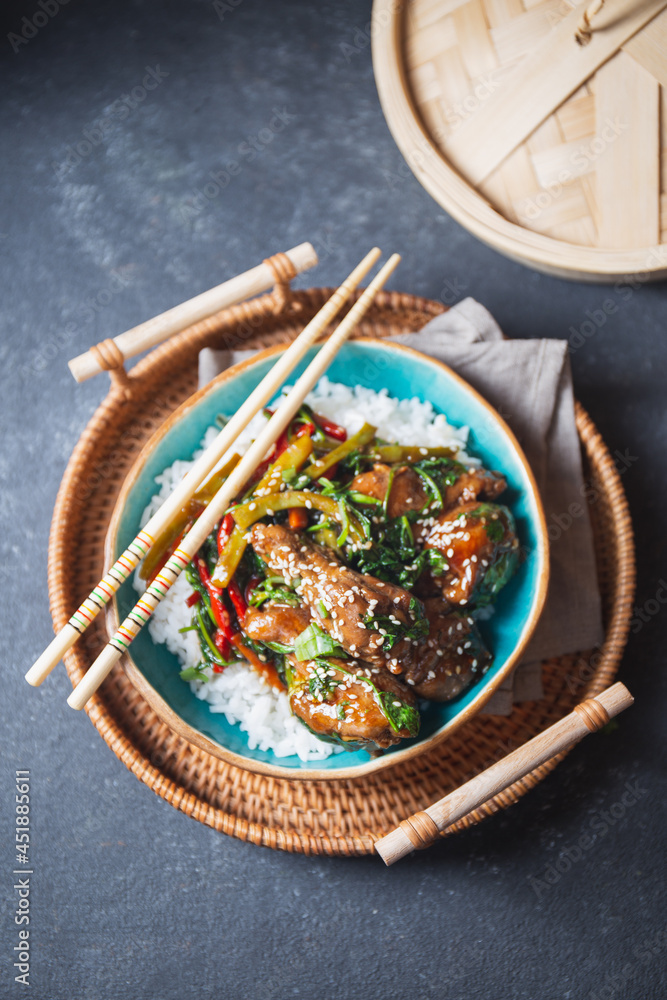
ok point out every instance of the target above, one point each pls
(192, 509)
(391, 453)
(358, 440)
(245, 517)
(264, 506)
(291, 460)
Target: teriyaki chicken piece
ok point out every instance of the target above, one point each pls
(356, 704)
(480, 550)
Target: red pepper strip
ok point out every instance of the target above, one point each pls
(194, 598)
(306, 428)
(298, 518)
(224, 531)
(267, 670)
(331, 429)
(223, 646)
(281, 444)
(220, 612)
(237, 600)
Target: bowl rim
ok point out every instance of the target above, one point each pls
(183, 729)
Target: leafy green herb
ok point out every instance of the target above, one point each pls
(279, 647)
(279, 594)
(193, 674)
(435, 561)
(340, 711)
(314, 642)
(432, 489)
(321, 685)
(355, 461)
(401, 716)
(273, 588)
(494, 531)
(445, 471)
(395, 630)
(394, 557)
(209, 650)
(496, 576)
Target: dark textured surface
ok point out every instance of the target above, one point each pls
(129, 897)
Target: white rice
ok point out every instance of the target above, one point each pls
(239, 692)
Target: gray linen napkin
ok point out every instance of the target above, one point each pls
(529, 382)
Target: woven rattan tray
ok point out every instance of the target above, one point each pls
(315, 817)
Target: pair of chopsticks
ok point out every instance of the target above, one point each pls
(191, 543)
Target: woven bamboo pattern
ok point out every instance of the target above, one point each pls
(577, 178)
(589, 171)
(336, 817)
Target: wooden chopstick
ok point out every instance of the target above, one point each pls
(423, 828)
(189, 546)
(137, 549)
(155, 331)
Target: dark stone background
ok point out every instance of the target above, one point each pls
(130, 897)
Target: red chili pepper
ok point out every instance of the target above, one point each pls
(220, 613)
(194, 598)
(237, 600)
(224, 531)
(331, 429)
(222, 644)
(306, 428)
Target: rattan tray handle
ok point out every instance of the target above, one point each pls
(423, 828)
(278, 271)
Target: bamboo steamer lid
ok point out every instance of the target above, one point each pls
(539, 126)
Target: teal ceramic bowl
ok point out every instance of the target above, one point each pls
(405, 373)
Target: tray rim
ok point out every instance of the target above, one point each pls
(460, 199)
(149, 764)
(385, 762)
